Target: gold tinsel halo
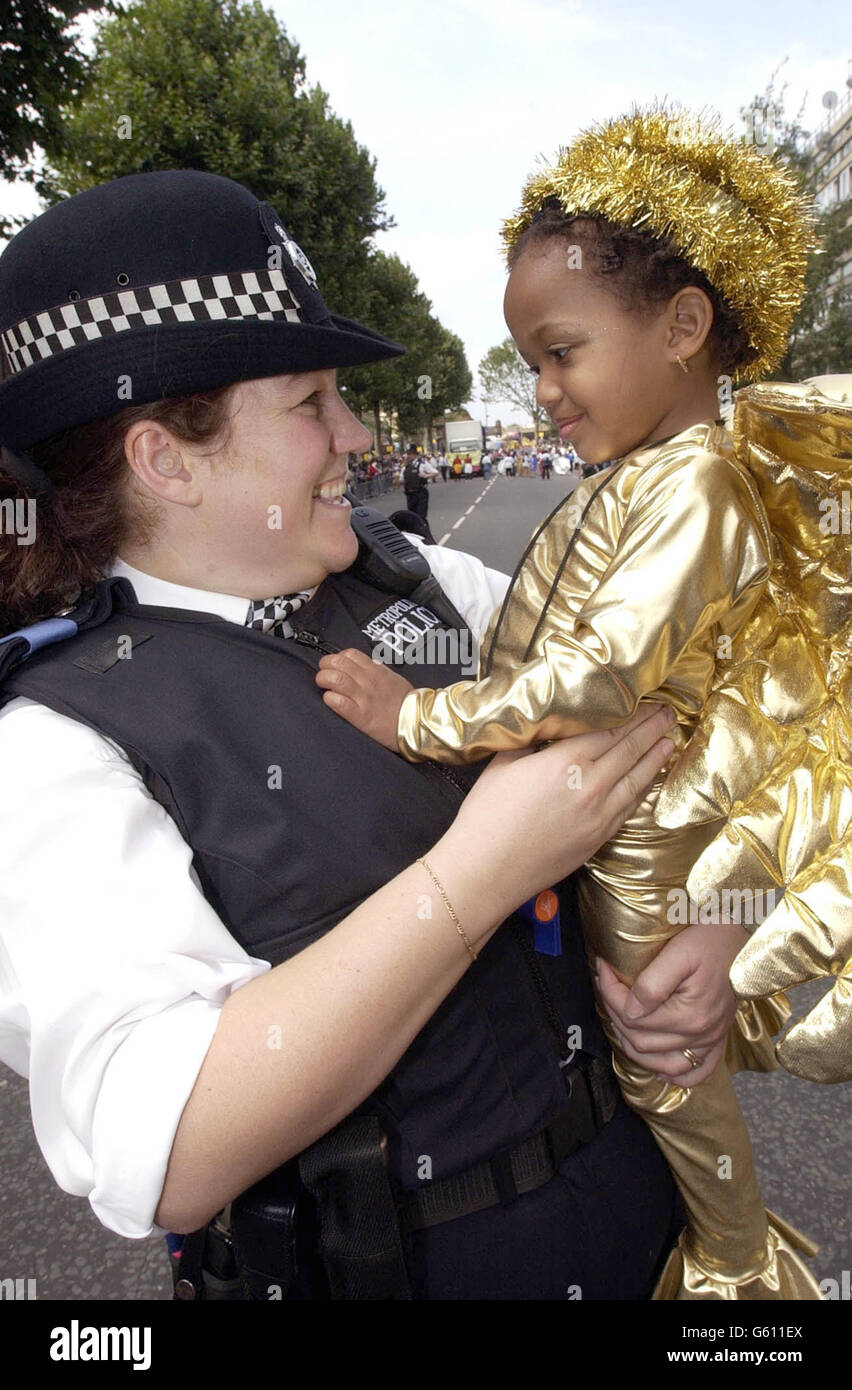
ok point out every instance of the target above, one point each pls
(732, 212)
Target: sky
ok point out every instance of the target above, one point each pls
(459, 100)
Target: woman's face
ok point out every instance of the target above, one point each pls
(603, 374)
(275, 517)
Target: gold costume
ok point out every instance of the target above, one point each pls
(661, 561)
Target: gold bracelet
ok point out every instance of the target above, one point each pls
(448, 905)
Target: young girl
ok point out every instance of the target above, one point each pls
(656, 258)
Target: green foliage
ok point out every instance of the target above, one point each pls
(41, 64)
(821, 336)
(820, 339)
(218, 85)
(433, 377)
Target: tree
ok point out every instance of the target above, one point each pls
(820, 339)
(41, 64)
(431, 377)
(451, 378)
(505, 376)
(437, 378)
(218, 85)
(392, 308)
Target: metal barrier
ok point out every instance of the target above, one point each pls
(373, 487)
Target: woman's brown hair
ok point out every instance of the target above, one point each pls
(80, 528)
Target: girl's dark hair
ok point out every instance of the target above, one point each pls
(641, 270)
(80, 529)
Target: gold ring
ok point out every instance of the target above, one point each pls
(690, 1057)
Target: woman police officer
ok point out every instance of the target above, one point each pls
(230, 923)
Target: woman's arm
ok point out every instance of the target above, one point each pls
(350, 1004)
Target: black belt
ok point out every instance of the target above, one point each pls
(366, 1260)
(592, 1097)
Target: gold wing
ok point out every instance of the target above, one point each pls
(772, 754)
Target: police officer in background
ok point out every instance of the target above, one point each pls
(416, 474)
(229, 993)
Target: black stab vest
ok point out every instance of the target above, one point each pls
(294, 818)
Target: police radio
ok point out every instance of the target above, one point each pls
(393, 564)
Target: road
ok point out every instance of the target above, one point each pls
(801, 1132)
(492, 520)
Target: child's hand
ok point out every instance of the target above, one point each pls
(365, 693)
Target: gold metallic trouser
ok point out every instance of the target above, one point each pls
(732, 1247)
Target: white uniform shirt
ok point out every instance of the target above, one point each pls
(113, 966)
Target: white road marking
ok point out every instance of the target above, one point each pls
(456, 524)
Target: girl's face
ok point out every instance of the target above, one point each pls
(274, 517)
(604, 376)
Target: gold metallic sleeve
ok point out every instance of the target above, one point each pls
(691, 553)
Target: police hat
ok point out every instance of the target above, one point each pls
(157, 285)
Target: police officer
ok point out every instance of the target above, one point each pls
(211, 965)
(416, 474)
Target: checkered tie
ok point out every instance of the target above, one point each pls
(273, 614)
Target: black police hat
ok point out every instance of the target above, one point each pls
(156, 285)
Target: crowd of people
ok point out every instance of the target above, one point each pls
(373, 475)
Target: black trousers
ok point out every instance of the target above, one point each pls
(600, 1229)
(418, 502)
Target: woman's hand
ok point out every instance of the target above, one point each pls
(548, 813)
(364, 692)
(683, 999)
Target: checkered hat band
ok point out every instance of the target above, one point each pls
(246, 294)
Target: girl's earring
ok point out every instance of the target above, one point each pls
(682, 363)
